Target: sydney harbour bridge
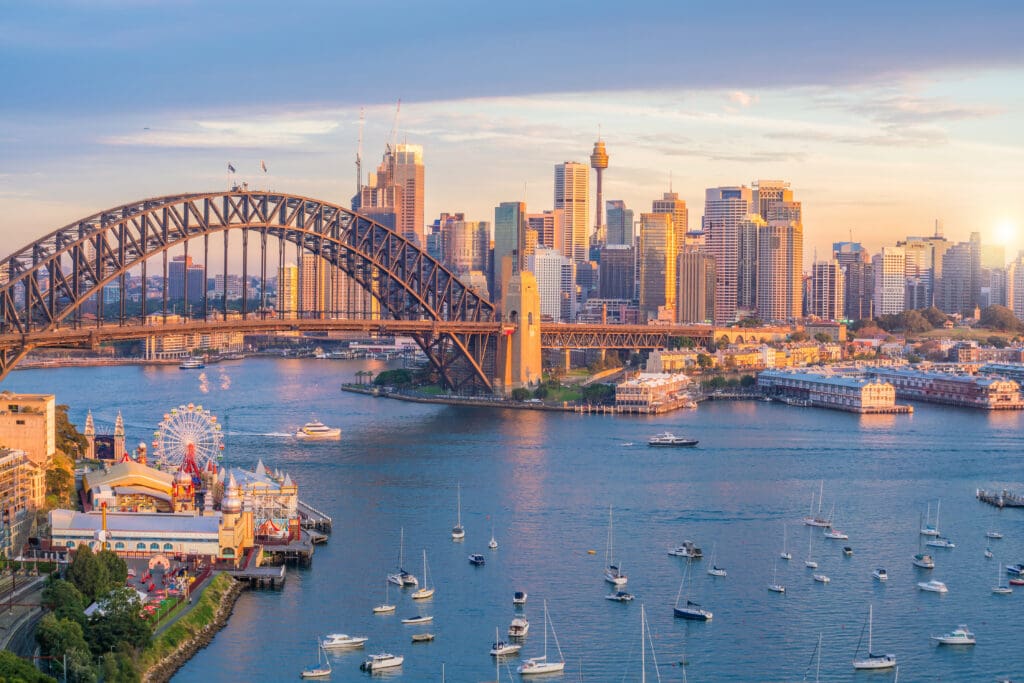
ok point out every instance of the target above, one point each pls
(53, 290)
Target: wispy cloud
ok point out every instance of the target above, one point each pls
(283, 131)
(743, 99)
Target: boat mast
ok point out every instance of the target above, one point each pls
(643, 660)
(938, 507)
(871, 624)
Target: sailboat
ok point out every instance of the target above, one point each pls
(402, 577)
(815, 519)
(690, 610)
(872, 661)
(612, 573)
(929, 529)
(775, 586)
(541, 665)
(1001, 588)
(938, 541)
(386, 607)
(500, 648)
(785, 554)
(458, 533)
(832, 532)
(426, 591)
(492, 544)
(645, 635)
(809, 563)
(323, 665)
(715, 570)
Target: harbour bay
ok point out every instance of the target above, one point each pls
(547, 480)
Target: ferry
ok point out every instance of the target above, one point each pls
(191, 364)
(671, 440)
(318, 431)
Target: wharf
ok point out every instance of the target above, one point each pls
(311, 518)
(257, 575)
(298, 552)
(1003, 499)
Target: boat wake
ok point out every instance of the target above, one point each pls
(629, 443)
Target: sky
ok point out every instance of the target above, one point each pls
(883, 116)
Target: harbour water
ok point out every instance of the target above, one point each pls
(546, 481)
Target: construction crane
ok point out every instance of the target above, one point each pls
(393, 137)
(359, 153)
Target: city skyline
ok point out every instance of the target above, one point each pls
(881, 137)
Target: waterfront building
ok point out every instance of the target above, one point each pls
(672, 204)
(556, 284)
(28, 423)
(186, 279)
(824, 390)
(129, 486)
(273, 499)
(890, 281)
(827, 289)
(657, 264)
(724, 209)
(549, 226)
(695, 295)
(287, 291)
(599, 162)
(780, 247)
(961, 277)
(651, 392)
(509, 244)
(572, 196)
(988, 393)
(172, 346)
(617, 272)
(620, 223)
(674, 360)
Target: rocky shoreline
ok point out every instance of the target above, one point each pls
(163, 670)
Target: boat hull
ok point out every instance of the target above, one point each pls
(692, 614)
(886, 662)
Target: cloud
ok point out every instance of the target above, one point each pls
(743, 99)
(283, 131)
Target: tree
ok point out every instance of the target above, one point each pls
(935, 316)
(540, 392)
(399, 377)
(704, 361)
(118, 621)
(681, 343)
(520, 394)
(66, 601)
(88, 574)
(60, 483)
(823, 337)
(68, 439)
(14, 668)
(599, 393)
(63, 638)
(747, 381)
(997, 341)
(799, 337)
(117, 568)
(750, 322)
(118, 667)
(1000, 318)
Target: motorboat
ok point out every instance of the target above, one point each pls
(418, 619)
(822, 578)
(940, 542)
(322, 668)
(385, 660)
(993, 534)
(500, 648)
(988, 553)
(342, 640)
(317, 431)
(671, 440)
(619, 596)
(541, 665)
(1017, 569)
(519, 598)
(1017, 582)
(961, 635)
(191, 364)
(836, 535)
(422, 637)
(933, 586)
(519, 627)
(847, 550)
(872, 661)
(924, 561)
(880, 574)
(688, 550)
(477, 560)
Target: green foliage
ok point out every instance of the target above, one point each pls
(748, 381)
(88, 574)
(997, 342)
(68, 439)
(1000, 318)
(681, 343)
(117, 568)
(750, 322)
(704, 361)
(66, 601)
(934, 316)
(119, 667)
(599, 393)
(541, 392)
(60, 638)
(799, 337)
(120, 622)
(17, 670)
(823, 337)
(913, 322)
(60, 484)
(520, 394)
(198, 617)
(399, 378)
(717, 382)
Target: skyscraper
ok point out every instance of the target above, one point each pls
(746, 263)
(890, 280)
(186, 278)
(572, 190)
(657, 265)
(724, 209)
(509, 244)
(549, 227)
(961, 276)
(599, 162)
(394, 194)
(620, 223)
(556, 284)
(827, 290)
(618, 272)
(671, 203)
(287, 291)
(465, 244)
(780, 248)
(695, 296)
(858, 279)
(312, 272)
(768, 193)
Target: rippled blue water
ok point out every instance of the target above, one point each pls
(547, 480)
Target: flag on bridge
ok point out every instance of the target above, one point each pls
(231, 169)
(263, 166)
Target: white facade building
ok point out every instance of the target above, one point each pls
(724, 210)
(890, 280)
(572, 195)
(556, 284)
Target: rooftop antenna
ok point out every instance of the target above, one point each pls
(670, 181)
(851, 235)
(359, 152)
(599, 131)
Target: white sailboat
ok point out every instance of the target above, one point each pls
(810, 563)
(612, 572)
(815, 519)
(715, 570)
(929, 529)
(458, 533)
(831, 531)
(872, 661)
(785, 554)
(500, 648)
(492, 544)
(323, 665)
(775, 586)
(426, 591)
(1001, 588)
(645, 635)
(402, 577)
(385, 607)
(541, 665)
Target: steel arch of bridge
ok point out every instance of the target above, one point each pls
(45, 283)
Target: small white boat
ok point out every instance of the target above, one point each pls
(341, 640)
(541, 665)
(988, 553)
(613, 573)
(940, 542)
(835, 535)
(993, 534)
(848, 551)
(519, 598)
(924, 561)
(880, 574)
(192, 364)
(688, 550)
(385, 607)
(1001, 588)
(775, 586)
(619, 596)
(422, 637)
(933, 586)
(715, 570)
(519, 627)
(671, 440)
(872, 661)
(500, 648)
(785, 554)
(492, 544)
(418, 619)
(317, 431)
(929, 529)
(426, 591)
(385, 660)
(477, 560)
(822, 578)
(458, 533)
(809, 562)
(322, 668)
(961, 635)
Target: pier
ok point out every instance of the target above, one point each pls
(256, 575)
(1003, 499)
(311, 518)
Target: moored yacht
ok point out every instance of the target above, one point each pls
(500, 648)
(880, 574)
(933, 586)
(318, 431)
(961, 635)
(519, 627)
(619, 596)
(924, 561)
(940, 542)
(341, 640)
(688, 550)
(671, 440)
(384, 660)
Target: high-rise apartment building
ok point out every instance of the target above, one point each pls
(724, 209)
(890, 280)
(572, 195)
(768, 193)
(695, 295)
(1015, 286)
(859, 279)
(549, 226)
(599, 162)
(312, 278)
(465, 244)
(618, 272)
(827, 290)
(671, 203)
(394, 195)
(657, 264)
(746, 263)
(288, 291)
(556, 284)
(186, 279)
(780, 248)
(620, 223)
(509, 244)
(923, 269)
(961, 277)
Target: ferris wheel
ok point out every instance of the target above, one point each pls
(188, 429)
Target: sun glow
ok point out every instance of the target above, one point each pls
(1006, 232)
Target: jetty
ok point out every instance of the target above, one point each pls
(311, 518)
(256, 574)
(1001, 499)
